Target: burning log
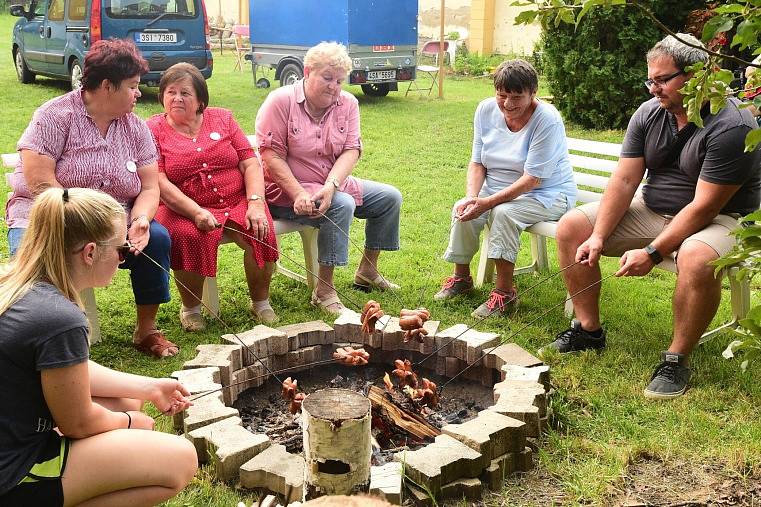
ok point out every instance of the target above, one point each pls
(351, 356)
(337, 443)
(413, 423)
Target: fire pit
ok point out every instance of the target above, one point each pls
(475, 436)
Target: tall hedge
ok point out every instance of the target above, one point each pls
(595, 71)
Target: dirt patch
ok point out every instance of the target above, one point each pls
(652, 481)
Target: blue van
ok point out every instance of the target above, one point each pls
(53, 36)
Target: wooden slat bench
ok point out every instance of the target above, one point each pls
(591, 156)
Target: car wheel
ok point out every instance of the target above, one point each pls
(290, 74)
(76, 74)
(376, 90)
(23, 73)
(262, 82)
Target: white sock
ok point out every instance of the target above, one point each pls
(261, 305)
(192, 310)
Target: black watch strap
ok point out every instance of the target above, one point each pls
(654, 254)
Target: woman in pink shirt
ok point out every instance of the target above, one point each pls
(308, 137)
(90, 138)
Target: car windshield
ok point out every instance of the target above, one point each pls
(150, 9)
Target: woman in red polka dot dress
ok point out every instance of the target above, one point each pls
(209, 176)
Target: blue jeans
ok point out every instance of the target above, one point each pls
(381, 204)
(150, 283)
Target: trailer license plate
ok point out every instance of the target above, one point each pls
(156, 38)
(381, 75)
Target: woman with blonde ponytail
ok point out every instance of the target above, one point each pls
(72, 431)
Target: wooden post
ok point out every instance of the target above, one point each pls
(337, 443)
(441, 51)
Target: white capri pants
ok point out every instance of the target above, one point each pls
(506, 222)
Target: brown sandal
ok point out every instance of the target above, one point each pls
(154, 344)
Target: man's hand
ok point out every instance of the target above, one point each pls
(204, 220)
(139, 234)
(303, 204)
(635, 263)
(472, 207)
(324, 197)
(589, 252)
(256, 219)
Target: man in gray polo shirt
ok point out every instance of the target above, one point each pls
(699, 181)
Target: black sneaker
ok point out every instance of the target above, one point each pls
(670, 378)
(575, 339)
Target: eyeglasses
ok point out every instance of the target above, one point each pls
(661, 81)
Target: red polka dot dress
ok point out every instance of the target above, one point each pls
(205, 168)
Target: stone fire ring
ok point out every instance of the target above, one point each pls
(460, 462)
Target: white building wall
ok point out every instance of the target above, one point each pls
(510, 38)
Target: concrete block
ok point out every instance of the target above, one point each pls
(521, 408)
(418, 497)
(275, 470)
(470, 489)
(227, 358)
(429, 340)
(445, 460)
(199, 437)
(494, 475)
(199, 380)
(490, 433)
(251, 376)
(524, 461)
(306, 334)
(509, 353)
(516, 390)
(348, 327)
(464, 343)
(205, 411)
(444, 339)
(230, 446)
(539, 374)
(386, 482)
(392, 334)
(260, 342)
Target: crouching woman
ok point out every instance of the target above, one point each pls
(71, 431)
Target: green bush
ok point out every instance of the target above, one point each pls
(595, 71)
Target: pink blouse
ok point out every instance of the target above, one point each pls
(62, 130)
(310, 148)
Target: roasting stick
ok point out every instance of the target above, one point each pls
(362, 251)
(200, 300)
(537, 284)
(563, 302)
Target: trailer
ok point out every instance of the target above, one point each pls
(380, 37)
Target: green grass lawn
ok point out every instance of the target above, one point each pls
(422, 145)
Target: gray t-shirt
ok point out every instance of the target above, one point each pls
(714, 153)
(42, 330)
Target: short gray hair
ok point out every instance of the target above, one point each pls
(324, 54)
(682, 54)
(516, 76)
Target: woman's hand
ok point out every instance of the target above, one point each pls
(168, 395)
(303, 204)
(140, 421)
(324, 197)
(256, 219)
(204, 220)
(139, 233)
(472, 207)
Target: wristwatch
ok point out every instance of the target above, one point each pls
(654, 254)
(254, 197)
(334, 181)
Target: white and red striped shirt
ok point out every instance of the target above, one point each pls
(62, 130)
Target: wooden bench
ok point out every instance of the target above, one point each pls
(211, 292)
(590, 158)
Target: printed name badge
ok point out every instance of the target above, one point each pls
(215, 136)
(131, 166)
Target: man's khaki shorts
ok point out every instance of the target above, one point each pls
(641, 225)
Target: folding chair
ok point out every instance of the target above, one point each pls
(430, 49)
(242, 47)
